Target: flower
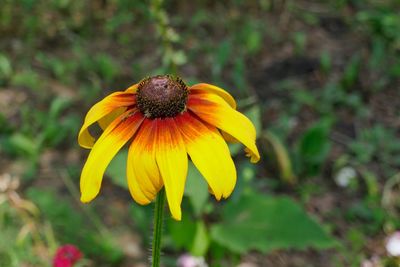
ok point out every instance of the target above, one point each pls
(345, 176)
(393, 244)
(67, 256)
(188, 260)
(165, 121)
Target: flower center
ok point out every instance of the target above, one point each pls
(162, 96)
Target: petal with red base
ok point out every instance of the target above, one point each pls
(109, 143)
(106, 120)
(144, 179)
(172, 162)
(215, 111)
(100, 110)
(209, 153)
(209, 88)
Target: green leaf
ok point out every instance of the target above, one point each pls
(23, 145)
(182, 233)
(142, 217)
(282, 158)
(27, 78)
(326, 62)
(201, 240)
(221, 57)
(314, 147)
(196, 189)
(179, 58)
(351, 72)
(189, 235)
(5, 68)
(254, 114)
(267, 223)
(117, 169)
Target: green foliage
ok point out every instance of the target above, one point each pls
(14, 251)
(116, 170)
(266, 224)
(41, 129)
(196, 190)
(313, 148)
(72, 227)
(5, 69)
(380, 143)
(192, 236)
(282, 158)
(318, 80)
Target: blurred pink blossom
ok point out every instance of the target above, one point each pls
(67, 256)
(187, 260)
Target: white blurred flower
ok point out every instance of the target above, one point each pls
(393, 244)
(344, 176)
(187, 260)
(375, 261)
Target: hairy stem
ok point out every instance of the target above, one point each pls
(157, 233)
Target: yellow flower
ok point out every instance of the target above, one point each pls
(165, 121)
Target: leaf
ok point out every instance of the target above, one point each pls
(23, 145)
(74, 228)
(282, 158)
(182, 233)
(189, 235)
(268, 223)
(254, 115)
(196, 189)
(142, 217)
(117, 169)
(106, 66)
(326, 62)
(5, 68)
(221, 57)
(351, 72)
(201, 240)
(314, 147)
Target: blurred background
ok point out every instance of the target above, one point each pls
(319, 79)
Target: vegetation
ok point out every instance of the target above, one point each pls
(320, 80)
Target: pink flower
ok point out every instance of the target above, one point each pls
(67, 256)
(187, 260)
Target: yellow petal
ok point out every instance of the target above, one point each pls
(106, 120)
(172, 162)
(215, 111)
(205, 87)
(132, 88)
(229, 138)
(100, 110)
(209, 153)
(144, 179)
(109, 143)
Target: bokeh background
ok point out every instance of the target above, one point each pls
(319, 79)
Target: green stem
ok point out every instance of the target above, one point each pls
(157, 233)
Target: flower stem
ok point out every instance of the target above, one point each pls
(157, 233)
